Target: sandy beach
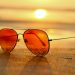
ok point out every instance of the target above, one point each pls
(23, 62)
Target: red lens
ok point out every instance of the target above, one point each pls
(37, 41)
(8, 39)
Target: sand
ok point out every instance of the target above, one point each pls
(23, 62)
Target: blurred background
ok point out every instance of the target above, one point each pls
(56, 17)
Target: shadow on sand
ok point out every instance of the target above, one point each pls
(37, 66)
(4, 58)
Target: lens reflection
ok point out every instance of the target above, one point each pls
(36, 41)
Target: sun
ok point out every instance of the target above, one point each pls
(40, 13)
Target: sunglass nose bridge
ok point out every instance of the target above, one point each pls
(18, 37)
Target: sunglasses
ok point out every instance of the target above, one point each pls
(36, 40)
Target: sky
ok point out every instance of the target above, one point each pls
(58, 22)
(58, 11)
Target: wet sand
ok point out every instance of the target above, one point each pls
(23, 62)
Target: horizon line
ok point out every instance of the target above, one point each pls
(41, 22)
(49, 9)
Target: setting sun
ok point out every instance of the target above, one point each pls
(40, 13)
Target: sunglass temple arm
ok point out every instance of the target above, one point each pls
(61, 38)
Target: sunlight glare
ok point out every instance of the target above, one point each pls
(40, 13)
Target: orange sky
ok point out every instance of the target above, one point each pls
(62, 11)
(39, 3)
